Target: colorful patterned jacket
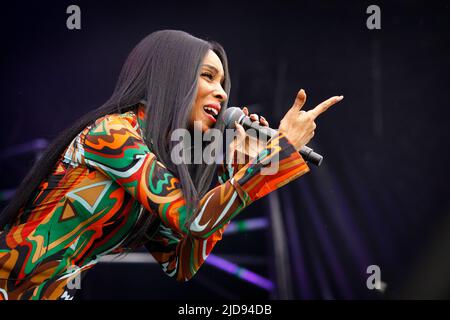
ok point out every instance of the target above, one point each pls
(103, 186)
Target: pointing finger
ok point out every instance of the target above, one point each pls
(322, 107)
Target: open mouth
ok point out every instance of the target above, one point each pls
(211, 112)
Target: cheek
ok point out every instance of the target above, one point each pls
(197, 111)
(202, 90)
(200, 98)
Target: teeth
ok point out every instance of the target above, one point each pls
(214, 111)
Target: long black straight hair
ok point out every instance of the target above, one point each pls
(163, 71)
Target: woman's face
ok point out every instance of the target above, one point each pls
(209, 93)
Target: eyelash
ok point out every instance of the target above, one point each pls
(209, 75)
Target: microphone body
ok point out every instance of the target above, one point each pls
(233, 114)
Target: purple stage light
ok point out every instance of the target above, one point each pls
(240, 272)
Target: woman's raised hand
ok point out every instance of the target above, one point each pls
(298, 125)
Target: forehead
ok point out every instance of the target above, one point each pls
(212, 59)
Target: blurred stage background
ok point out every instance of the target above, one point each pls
(381, 196)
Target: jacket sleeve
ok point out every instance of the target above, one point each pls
(114, 147)
(181, 256)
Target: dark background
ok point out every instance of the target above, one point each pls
(382, 194)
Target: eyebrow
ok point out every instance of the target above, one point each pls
(215, 70)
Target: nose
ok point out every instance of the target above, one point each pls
(220, 94)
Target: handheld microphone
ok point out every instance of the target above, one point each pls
(233, 114)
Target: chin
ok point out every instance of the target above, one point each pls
(204, 125)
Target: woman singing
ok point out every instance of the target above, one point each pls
(107, 184)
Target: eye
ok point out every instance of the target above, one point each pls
(208, 75)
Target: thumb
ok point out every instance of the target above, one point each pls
(240, 136)
(300, 100)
